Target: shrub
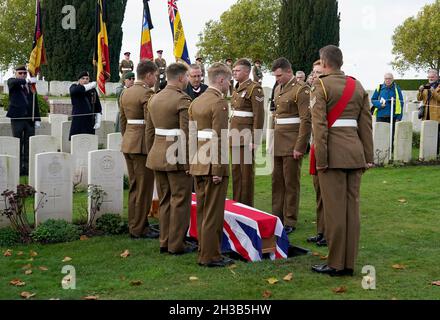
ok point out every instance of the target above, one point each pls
(9, 237)
(126, 183)
(111, 224)
(56, 231)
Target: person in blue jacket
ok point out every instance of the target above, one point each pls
(86, 107)
(381, 101)
(23, 111)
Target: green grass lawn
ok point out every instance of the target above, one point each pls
(405, 232)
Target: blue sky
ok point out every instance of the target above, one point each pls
(366, 31)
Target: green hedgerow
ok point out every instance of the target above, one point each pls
(9, 237)
(111, 224)
(56, 231)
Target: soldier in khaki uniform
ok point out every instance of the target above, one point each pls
(162, 66)
(343, 152)
(291, 136)
(430, 95)
(133, 104)
(247, 122)
(167, 125)
(210, 164)
(125, 66)
(257, 73)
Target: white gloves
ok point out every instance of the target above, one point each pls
(32, 80)
(383, 102)
(98, 119)
(37, 124)
(90, 86)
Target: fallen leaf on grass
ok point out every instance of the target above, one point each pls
(136, 283)
(28, 272)
(272, 280)
(32, 253)
(403, 201)
(385, 182)
(27, 295)
(267, 294)
(17, 283)
(7, 253)
(125, 254)
(83, 238)
(399, 267)
(20, 253)
(316, 254)
(27, 266)
(323, 257)
(67, 259)
(91, 298)
(288, 277)
(43, 268)
(193, 279)
(436, 283)
(341, 289)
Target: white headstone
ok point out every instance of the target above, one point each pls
(5, 130)
(110, 110)
(110, 87)
(56, 120)
(59, 88)
(39, 144)
(410, 107)
(107, 127)
(45, 129)
(416, 122)
(114, 142)
(65, 130)
(403, 142)
(381, 138)
(54, 178)
(105, 170)
(10, 146)
(3, 119)
(428, 141)
(81, 145)
(43, 88)
(9, 179)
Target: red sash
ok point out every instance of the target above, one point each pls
(334, 115)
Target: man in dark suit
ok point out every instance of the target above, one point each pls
(24, 112)
(195, 87)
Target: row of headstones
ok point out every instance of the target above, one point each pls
(403, 140)
(54, 183)
(61, 88)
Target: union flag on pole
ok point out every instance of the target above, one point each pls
(102, 56)
(146, 43)
(180, 47)
(38, 54)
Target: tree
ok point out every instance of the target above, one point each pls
(306, 26)
(70, 51)
(17, 21)
(247, 30)
(416, 43)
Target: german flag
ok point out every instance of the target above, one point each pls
(102, 56)
(38, 54)
(147, 25)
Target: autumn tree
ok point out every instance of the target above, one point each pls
(416, 43)
(249, 29)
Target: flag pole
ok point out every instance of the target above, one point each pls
(34, 86)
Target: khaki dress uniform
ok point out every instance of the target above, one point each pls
(210, 112)
(161, 77)
(167, 129)
(246, 126)
(125, 67)
(292, 132)
(133, 106)
(345, 149)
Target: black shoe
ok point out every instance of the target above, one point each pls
(316, 238)
(289, 229)
(325, 269)
(224, 262)
(322, 243)
(163, 250)
(185, 251)
(148, 235)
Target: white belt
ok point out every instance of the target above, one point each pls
(204, 134)
(341, 123)
(126, 69)
(136, 121)
(242, 114)
(167, 132)
(288, 121)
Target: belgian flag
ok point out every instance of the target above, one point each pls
(38, 54)
(102, 56)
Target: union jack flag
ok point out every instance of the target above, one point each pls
(172, 8)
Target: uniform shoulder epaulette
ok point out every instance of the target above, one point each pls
(323, 87)
(302, 85)
(252, 87)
